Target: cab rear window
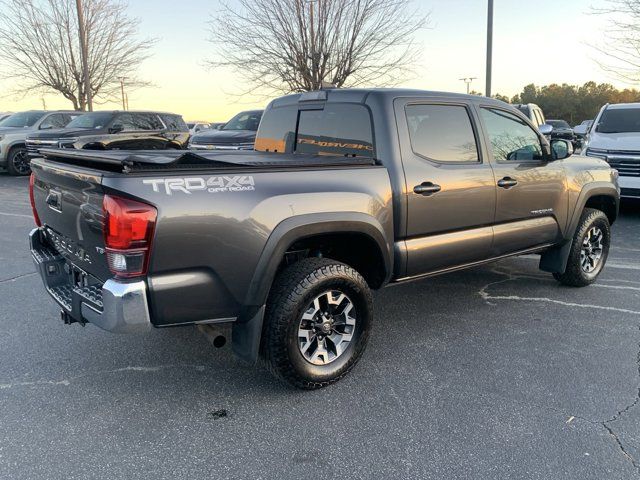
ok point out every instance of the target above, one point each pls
(337, 129)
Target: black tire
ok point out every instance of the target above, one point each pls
(291, 296)
(575, 275)
(18, 161)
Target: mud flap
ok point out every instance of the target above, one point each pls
(245, 336)
(555, 259)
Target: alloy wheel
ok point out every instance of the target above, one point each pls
(591, 251)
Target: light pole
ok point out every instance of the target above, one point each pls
(489, 46)
(124, 103)
(468, 81)
(84, 49)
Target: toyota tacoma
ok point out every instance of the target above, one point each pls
(347, 191)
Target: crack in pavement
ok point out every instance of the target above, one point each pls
(510, 275)
(131, 368)
(17, 277)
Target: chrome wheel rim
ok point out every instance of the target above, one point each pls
(591, 251)
(326, 327)
(21, 162)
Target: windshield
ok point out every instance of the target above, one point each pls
(91, 120)
(619, 120)
(22, 119)
(244, 121)
(558, 123)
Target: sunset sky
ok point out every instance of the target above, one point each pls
(540, 42)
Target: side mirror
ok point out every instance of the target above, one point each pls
(561, 149)
(116, 128)
(545, 129)
(580, 130)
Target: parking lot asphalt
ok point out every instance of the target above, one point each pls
(496, 372)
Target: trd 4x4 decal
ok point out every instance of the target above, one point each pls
(237, 183)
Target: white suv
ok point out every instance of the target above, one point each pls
(615, 137)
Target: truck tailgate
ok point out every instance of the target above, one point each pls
(69, 205)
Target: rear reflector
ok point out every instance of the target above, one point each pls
(32, 181)
(128, 233)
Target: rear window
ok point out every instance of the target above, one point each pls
(338, 129)
(175, 123)
(442, 133)
(619, 120)
(277, 132)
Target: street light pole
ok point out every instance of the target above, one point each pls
(84, 49)
(489, 46)
(468, 81)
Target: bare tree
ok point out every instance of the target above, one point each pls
(621, 45)
(301, 45)
(40, 47)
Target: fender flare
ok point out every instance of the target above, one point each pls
(247, 330)
(555, 259)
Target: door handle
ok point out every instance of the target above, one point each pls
(426, 188)
(507, 182)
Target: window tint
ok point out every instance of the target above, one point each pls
(91, 120)
(277, 131)
(339, 129)
(57, 120)
(139, 121)
(175, 123)
(619, 120)
(511, 138)
(442, 133)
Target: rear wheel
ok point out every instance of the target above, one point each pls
(18, 161)
(589, 250)
(317, 322)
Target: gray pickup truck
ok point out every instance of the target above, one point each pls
(347, 191)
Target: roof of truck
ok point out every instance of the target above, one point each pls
(359, 95)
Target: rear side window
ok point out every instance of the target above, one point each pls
(442, 133)
(174, 123)
(277, 131)
(338, 129)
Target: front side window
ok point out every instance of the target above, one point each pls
(175, 123)
(138, 121)
(338, 129)
(511, 138)
(442, 133)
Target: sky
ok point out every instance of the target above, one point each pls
(541, 42)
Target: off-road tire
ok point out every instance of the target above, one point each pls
(11, 159)
(293, 290)
(574, 275)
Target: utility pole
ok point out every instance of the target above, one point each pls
(124, 103)
(468, 81)
(84, 49)
(489, 46)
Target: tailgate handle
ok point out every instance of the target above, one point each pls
(54, 200)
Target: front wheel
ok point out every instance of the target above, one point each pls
(589, 250)
(18, 161)
(317, 322)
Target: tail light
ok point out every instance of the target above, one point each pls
(128, 232)
(32, 181)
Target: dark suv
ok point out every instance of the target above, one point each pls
(115, 130)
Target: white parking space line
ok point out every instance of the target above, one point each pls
(16, 215)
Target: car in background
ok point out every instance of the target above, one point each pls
(16, 127)
(216, 125)
(562, 129)
(195, 127)
(585, 125)
(532, 111)
(615, 138)
(115, 130)
(239, 133)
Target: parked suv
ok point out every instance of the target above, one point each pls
(239, 133)
(16, 127)
(615, 137)
(367, 187)
(115, 130)
(533, 112)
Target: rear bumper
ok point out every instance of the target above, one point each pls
(114, 306)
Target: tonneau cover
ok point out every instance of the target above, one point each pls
(129, 161)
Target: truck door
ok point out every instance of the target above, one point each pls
(450, 187)
(531, 191)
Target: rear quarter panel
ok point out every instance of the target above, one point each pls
(209, 241)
